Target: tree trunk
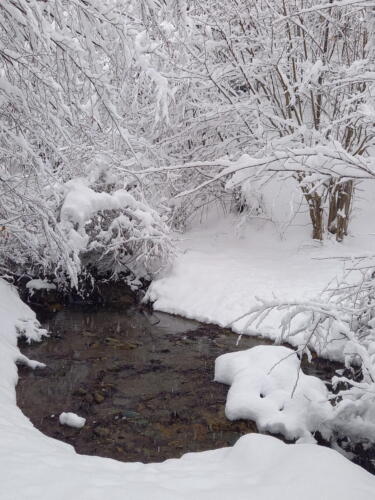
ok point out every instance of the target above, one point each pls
(339, 209)
(316, 215)
(314, 201)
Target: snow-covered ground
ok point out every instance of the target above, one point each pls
(220, 270)
(35, 467)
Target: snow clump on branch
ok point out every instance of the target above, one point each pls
(114, 232)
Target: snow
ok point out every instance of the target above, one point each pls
(36, 467)
(219, 272)
(72, 420)
(262, 381)
(39, 284)
(81, 202)
(134, 238)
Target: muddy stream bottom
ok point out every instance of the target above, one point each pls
(143, 381)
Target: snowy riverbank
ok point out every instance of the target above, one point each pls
(219, 273)
(33, 466)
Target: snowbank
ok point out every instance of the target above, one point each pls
(35, 467)
(218, 273)
(262, 380)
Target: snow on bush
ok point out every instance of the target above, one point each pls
(113, 231)
(150, 92)
(39, 285)
(269, 387)
(270, 200)
(69, 100)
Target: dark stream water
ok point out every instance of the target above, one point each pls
(143, 381)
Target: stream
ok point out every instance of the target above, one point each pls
(143, 380)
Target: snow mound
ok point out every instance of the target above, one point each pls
(269, 387)
(72, 420)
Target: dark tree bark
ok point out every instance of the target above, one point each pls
(339, 209)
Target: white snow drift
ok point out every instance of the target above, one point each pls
(268, 387)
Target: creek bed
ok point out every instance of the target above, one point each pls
(143, 381)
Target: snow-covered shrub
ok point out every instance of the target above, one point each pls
(270, 199)
(150, 87)
(298, 102)
(30, 239)
(184, 211)
(79, 85)
(114, 232)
